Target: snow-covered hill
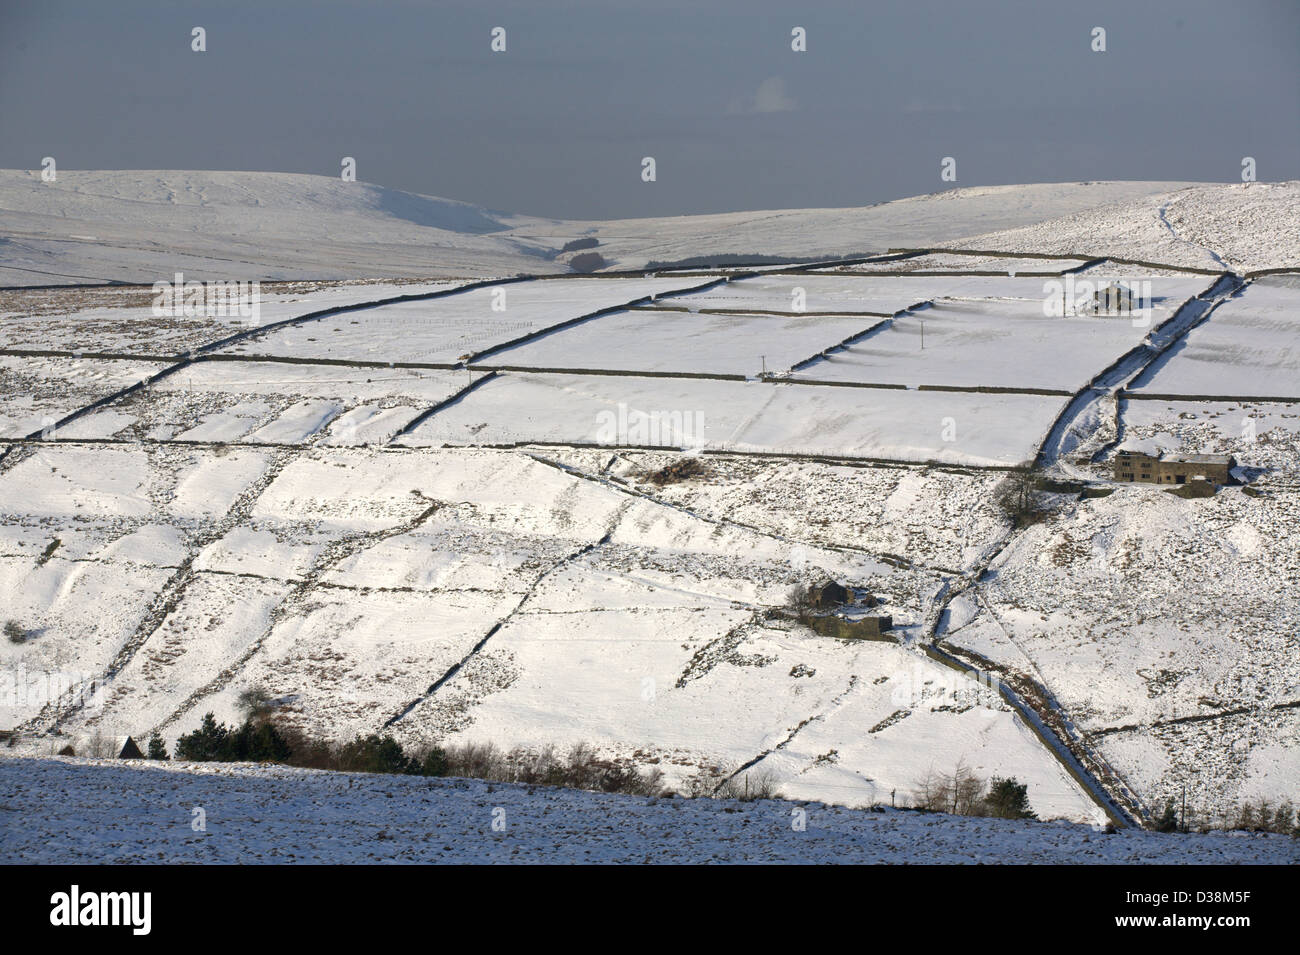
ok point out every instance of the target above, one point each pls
(140, 226)
(62, 811)
(419, 505)
(1241, 227)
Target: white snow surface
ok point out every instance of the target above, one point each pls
(1250, 347)
(143, 225)
(789, 418)
(267, 520)
(77, 811)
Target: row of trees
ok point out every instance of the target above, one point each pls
(963, 793)
(263, 737)
(260, 739)
(1261, 816)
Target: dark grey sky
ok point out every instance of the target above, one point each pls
(558, 124)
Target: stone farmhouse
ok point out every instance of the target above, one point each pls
(1142, 466)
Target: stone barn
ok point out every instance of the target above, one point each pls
(1114, 300)
(829, 594)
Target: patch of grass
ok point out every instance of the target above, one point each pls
(48, 552)
(682, 470)
(1193, 490)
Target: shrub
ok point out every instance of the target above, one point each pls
(14, 631)
(476, 761)
(266, 740)
(1193, 490)
(376, 754)
(1167, 821)
(215, 742)
(1008, 799)
(587, 242)
(580, 768)
(205, 744)
(157, 748)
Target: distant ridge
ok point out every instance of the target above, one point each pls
(137, 226)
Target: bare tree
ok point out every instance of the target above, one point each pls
(799, 599)
(760, 784)
(1014, 496)
(100, 746)
(960, 792)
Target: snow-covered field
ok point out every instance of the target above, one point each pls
(439, 516)
(956, 428)
(1251, 348)
(253, 402)
(446, 329)
(654, 340)
(111, 319)
(1004, 339)
(78, 811)
(37, 392)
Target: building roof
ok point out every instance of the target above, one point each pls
(1153, 448)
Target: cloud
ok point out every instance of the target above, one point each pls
(770, 97)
